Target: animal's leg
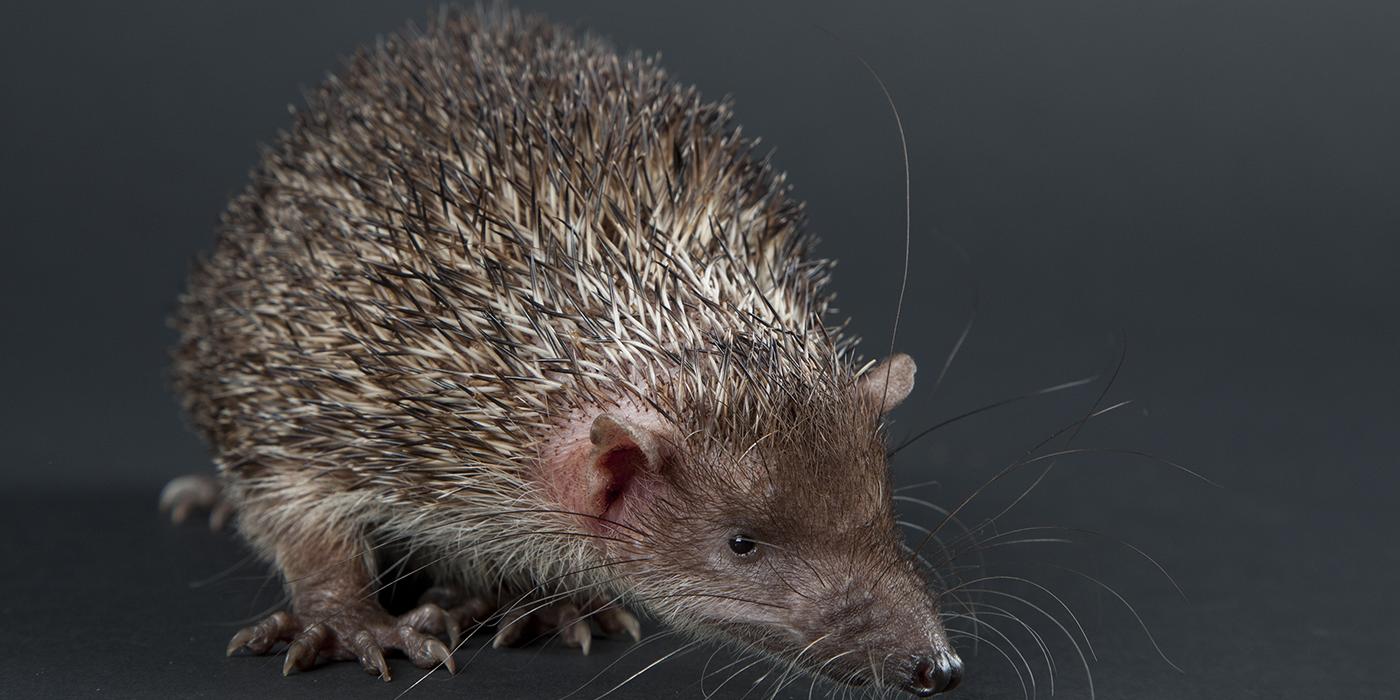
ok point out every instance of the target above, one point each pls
(525, 622)
(335, 614)
(186, 494)
(469, 612)
(568, 620)
(615, 620)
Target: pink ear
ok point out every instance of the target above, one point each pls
(623, 451)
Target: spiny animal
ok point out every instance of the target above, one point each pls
(515, 311)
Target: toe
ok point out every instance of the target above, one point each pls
(465, 612)
(442, 596)
(572, 628)
(371, 655)
(432, 619)
(181, 512)
(471, 616)
(186, 493)
(512, 629)
(422, 650)
(300, 656)
(563, 620)
(616, 621)
(260, 637)
(579, 634)
(442, 655)
(302, 652)
(219, 516)
(240, 640)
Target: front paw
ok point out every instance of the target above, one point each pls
(184, 495)
(570, 622)
(354, 631)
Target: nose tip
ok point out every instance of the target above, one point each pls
(936, 675)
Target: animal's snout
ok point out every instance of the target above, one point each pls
(935, 674)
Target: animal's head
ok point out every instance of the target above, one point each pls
(779, 535)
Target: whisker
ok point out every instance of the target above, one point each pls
(500, 614)
(1130, 608)
(1029, 670)
(734, 675)
(705, 672)
(1084, 661)
(1093, 408)
(778, 686)
(684, 648)
(1121, 542)
(221, 575)
(1025, 692)
(821, 669)
(714, 595)
(1063, 606)
(974, 308)
(988, 407)
(649, 640)
(920, 484)
(999, 611)
(1056, 455)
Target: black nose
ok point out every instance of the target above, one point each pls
(938, 674)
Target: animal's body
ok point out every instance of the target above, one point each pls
(537, 319)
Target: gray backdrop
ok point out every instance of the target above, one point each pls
(1214, 181)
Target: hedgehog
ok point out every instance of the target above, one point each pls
(525, 315)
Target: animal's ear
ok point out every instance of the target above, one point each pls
(624, 453)
(887, 384)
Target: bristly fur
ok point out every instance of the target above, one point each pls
(469, 232)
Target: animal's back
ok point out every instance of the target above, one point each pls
(470, 230)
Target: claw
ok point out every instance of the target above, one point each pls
(569, 621)
(240, 639)
(512, 629)
(454, 632)
(219, 516)
(301, 653)
(186, 493)
(430, 618)
(634, 628)
(615, 620)
(300, 656)
(374, 663)
(366, 648)
(359, 631)
(440, 653)
(506, 637)
(260, 637)
(580, 634)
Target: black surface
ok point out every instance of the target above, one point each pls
(1217, 180)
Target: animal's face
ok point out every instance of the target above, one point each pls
(786, 542)
(808, 559)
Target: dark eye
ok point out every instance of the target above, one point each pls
(743, 545)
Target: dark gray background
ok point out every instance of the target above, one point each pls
(1216, 180)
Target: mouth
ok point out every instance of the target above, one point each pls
(920, 675)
